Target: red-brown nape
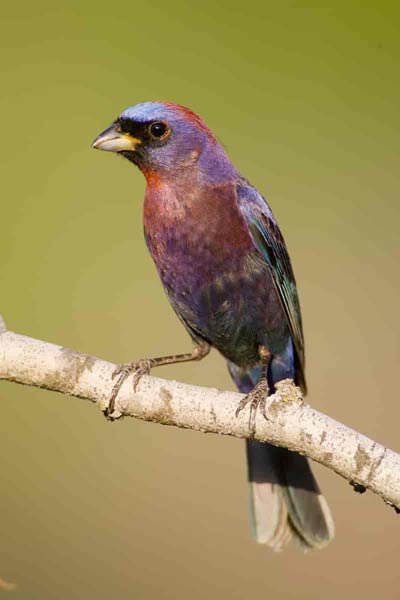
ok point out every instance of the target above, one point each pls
(191, 116)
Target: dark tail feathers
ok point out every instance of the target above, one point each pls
(285, 500)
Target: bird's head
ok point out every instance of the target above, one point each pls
(162, 138)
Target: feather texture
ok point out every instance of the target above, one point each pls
(268, 240)
(227, 273)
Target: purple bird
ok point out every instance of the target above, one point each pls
(225, 268)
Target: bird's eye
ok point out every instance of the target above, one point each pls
(159, 130)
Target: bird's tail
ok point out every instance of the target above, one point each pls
(285, 500)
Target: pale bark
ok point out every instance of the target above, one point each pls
(291, 422)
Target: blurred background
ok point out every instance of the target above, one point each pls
(306, 99)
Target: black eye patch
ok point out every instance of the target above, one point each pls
(133, 128)
(150, 133)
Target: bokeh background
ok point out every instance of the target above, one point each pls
(306, 98)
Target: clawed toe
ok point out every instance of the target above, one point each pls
(257, 399)
(122, 369)
(140, 368)
(137, 369)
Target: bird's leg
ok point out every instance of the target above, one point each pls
(143, 366)
(258, 396)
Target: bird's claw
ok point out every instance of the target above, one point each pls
(257, 399)
(140, 368)
(137, 369)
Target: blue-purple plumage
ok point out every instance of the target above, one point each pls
(226, 270)
(215, 277)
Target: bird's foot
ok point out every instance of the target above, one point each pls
(137, 369)
(257, 399)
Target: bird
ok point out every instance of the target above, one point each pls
(227, 273)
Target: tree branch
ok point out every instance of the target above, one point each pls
(291, 422)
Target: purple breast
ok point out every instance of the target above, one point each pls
(211, 271)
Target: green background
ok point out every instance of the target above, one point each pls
(306, 98)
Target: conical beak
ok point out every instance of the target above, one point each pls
(113, 140)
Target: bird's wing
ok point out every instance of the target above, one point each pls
(269, 242)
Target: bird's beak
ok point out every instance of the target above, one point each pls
(113, 140)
